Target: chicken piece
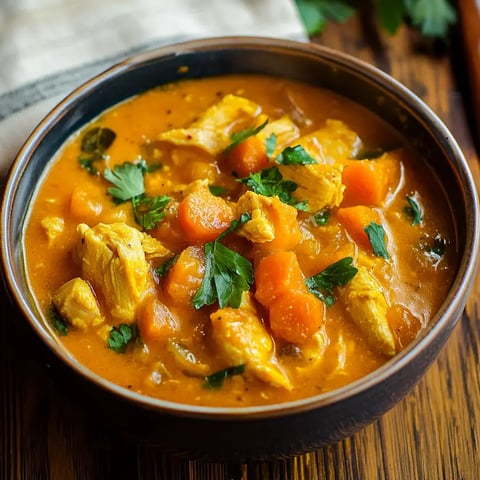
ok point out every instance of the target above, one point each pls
(242, 339)
(332, 143)
(112, 259)
(152, 247)
(320, 184)
(77, 304)
(285, 131)
(368, 307)
(53, 227)
(211, 132)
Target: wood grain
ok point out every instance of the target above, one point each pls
(434, 433)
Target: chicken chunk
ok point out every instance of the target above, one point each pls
(242, 339)
(53, 227)
(368, 308)
(285, 132)
(320, 184)
(77, 304)
(211, 132)
(112, 259)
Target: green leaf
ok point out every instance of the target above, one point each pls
(216, 380)
(433, 17)
(163, 269)
(369, 154)
(391, 14)
(376, 235)
(57, 321)
(97, 139)
(149, 211)
(437, 247)
(240, 136)
(270, 144)
(295, 156)
(321, 218)
(128, 181)
(269, 183)
(413, 211)
(217, 190)
(338, 273)
(120, 337)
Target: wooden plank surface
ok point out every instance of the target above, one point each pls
(434, 433)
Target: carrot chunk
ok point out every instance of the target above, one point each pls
(155, 321)
(296, 316)
(203, 216)
(355, 219)
(276, 274)
(247, 157)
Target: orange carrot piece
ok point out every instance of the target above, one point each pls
(355, 219)
(185, 277)
(277, 274)
(203, 216)
(247, 157)
(155, 321)
(83, 204)
(296, 316)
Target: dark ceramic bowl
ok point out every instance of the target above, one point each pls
(282, 429)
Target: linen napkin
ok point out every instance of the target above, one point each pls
(49, 47)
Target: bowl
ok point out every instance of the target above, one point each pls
(247, 433)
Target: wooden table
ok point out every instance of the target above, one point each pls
(434, 433)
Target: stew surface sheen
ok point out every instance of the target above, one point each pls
(288, 259)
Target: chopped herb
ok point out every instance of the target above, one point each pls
(321, 218)
(217, 190)
(227, 273)
(437, 247)
(121, 336)
(338, 273)
(128, 181)
(149, 211)
(153, 167)
(239, 137)
(369, 154)
(216, 380)
(295, 156)
(163, 269)
(376, 235)
(270, 144)
(95, 143)
(269, 183)
(413, 211)
(57, 321)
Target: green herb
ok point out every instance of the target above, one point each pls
(128, 181)
(338, 273)
(413, 211)
(369, 154)
(227, 273)
(437, 247)
(120, 337)
(269, 183)
(239, 137)
(376, 235)
(295, 156)
(216, 380)
(217, 190)
(57, 321)
(433, 17)
(149, 211)
(270, 144)
(163, 269)
(95, 143)
(321, 218)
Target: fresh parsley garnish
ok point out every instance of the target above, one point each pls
(376, 235)
(413, 211)
(121, 336)
(94, 144)
(338, 273)
(240, 136)
(269, 182)
(217, 190)
(149, 211)
(163, 269)
(216, 380)
(57, 321)
(227, 273)
(437, 247)
(270, 144)
(321, 218)
(296, 155)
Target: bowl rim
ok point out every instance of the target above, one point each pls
(453, 303)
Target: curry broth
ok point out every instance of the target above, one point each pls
(413, 281)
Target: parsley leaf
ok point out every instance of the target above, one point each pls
(295, 156)
(227, 273)
(269, 183)
(57, 321)
(128, 181)
(93, 146)
(120, 337)
(338, 273)
(239, 137)
(217, 190)
(270, 144)
(376, 235)
(391, 14)
(413, 211)
(163, 269)
(216, 380)
(321, 218)
(433, 17)
(149, 211)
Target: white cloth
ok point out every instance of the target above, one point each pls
(48, 47)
